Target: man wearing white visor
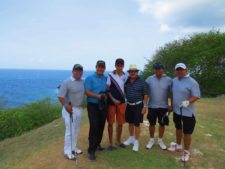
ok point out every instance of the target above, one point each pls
(185, 92)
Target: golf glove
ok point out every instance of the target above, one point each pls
(185, 103)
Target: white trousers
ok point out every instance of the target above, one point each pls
(75, 127)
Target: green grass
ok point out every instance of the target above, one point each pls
(43, 147)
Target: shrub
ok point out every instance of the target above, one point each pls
(14, 122)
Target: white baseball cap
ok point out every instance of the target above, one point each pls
(180, 65)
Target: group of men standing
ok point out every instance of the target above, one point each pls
(121, 98)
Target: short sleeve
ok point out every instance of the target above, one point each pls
(63, 90)
(195, 90)
(108, 81)
(170, 81)
(146, 88)
(87, 83)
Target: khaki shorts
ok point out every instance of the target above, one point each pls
(118, 113)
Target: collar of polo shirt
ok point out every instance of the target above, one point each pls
(73, 79)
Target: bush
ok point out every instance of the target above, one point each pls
(14, 122)
(204, 55)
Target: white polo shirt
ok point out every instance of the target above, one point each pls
(119, 79)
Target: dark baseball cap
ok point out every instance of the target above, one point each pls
(77, 67)
(100, 63)
(119, 61)
(158, 66)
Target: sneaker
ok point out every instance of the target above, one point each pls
(91, 157)
(186, 156)
(161, 144)
(174, 147)
(77, 152)
(122, 145)
(110, 148)
(150, 144)
(70, 156)
(100, 148)
(136, 146)
(129, 141)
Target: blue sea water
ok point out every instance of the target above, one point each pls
(18, 87)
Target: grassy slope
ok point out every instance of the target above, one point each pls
(43, 147)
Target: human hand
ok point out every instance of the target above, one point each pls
(69, 108)
(116, 102)
(170, 108)
(185, 103)
(144, 109)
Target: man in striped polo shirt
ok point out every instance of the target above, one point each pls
(136, 91)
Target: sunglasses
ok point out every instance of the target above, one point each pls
(179, 69)
(133, 71)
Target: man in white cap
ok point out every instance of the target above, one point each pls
(185, 92)
(71, 94)
(136, 91)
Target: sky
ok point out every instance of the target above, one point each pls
(56, 34)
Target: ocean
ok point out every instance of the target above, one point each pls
(18, 87)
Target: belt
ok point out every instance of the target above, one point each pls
(135, 103)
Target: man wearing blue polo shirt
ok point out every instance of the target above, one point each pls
(185, 92)
(159, 92)
(95, 84)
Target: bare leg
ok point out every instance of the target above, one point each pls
(110, 131)
(187, 141)
(137, 132)
(119, 132)
(131, 129)
(179, 136)
(161, 131)
(152, 131)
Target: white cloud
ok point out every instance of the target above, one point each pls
(164, 28)
(195, 14)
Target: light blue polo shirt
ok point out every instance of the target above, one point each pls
(158, 91)
(95, 84)
(184, 89)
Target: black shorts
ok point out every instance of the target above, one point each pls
(133, 114)
(159, 113)
(188, 123)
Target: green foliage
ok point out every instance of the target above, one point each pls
(204, 55)
(3, 102)
(14, 122)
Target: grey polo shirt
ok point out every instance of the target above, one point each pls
(184, 89)
(159, 90)
(72, 90)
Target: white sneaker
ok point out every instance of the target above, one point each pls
(150, 144)
(136, 146)
(78, 151)
(174, 147)
(161, 144)
(129, 141)
(186, 156)
(70, 156)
